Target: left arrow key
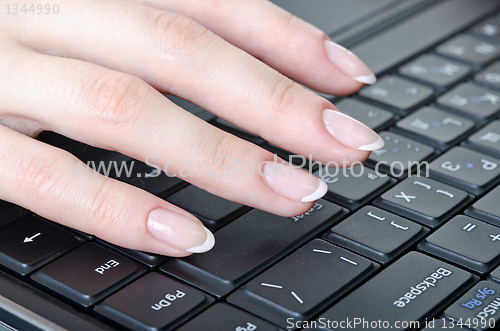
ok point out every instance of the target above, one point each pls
(30, 239)
(31, 242)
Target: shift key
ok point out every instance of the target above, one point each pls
(402, 296)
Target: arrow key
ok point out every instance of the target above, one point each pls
(31, 242)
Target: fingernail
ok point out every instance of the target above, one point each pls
(350, 132)
(293, 183)
(179, 231)
(349, 63)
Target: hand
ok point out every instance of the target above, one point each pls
(92, 72)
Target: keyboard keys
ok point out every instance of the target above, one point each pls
(153, 302)
(473, 101)
(423, 200)
(31, 242)
(470, 49)
(10, 212)
(150, 259)
(490, 76)
(400, 94)
(88, 274)
(398, 155)
(436, 71)
(82, 151)
(489, 28)
(191, 107)
(409, 38)
(436, 127)
(482, 251)
(249, 244)
(466, 169)
(487, 208)
(224, 317)
(353, 187)
(363, 231)
(487, 139)
(148, 178)
(213, 211)
(302, 284)
(478, 308)
(412, 289)
(374, 117)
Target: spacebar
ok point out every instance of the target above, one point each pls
(421, 32)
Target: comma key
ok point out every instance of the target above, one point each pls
(409, 290)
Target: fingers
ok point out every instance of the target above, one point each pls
(177, 55)
(119, 112)
(288, 44)
(42, 178)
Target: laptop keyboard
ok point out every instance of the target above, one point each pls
(384, 249)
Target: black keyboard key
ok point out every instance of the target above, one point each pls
(82, 151)
(470, 49)
(399, 155)
(302, 284)
(88, 274)
(249, 244)
(224, 317)
(495, 275)
(31, 242)
(153, 302)
(487, 139)
(473, 101)
(477, 309)
(436, 127)
(424, 200)
(353, 187)
(374, 117)
(412, 289)
(10, 212)
(466, 169)
(489, 28)
(481, 251)
(150, 259)
(148, 178)
(399, 94)
(191, 107)
(490, 76)
(213, 211)
(487, 208)
(375, 233)
(25, 307)
(436, 71)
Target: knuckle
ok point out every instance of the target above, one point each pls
(40, 177)
(102, 208)
(177, 34)
(115, 98)
(222, 148)
(284, 94)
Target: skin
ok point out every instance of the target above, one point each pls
(60, 72)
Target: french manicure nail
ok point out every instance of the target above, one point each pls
(293, 183)
(349, 63)
(350, 132)
(179, 231)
